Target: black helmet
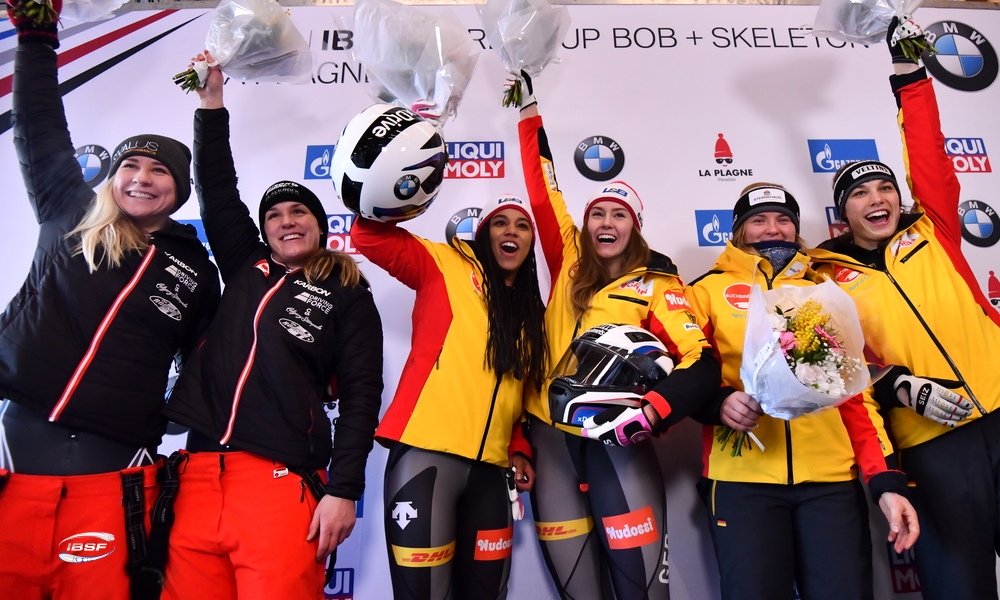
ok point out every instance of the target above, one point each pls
(608, 365)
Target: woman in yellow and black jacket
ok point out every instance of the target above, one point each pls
(794, 511)
(923, 311)
(600, 509)
(453, 428)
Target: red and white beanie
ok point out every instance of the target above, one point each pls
(622, 193)
(504, 202)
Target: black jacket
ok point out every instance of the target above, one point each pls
(280, 347)
(92, 350)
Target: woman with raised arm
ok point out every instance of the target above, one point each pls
(297, 328)
(456, 453)
(591, 496)
(117, 290)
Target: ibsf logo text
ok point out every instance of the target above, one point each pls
(340, 233)
(475, 160)
(715, 227)
(829, 155)
(340, 586)
(968, 155)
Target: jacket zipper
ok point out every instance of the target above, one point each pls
(937, 343)
(102, 329)
(489, 419)
(248, 366)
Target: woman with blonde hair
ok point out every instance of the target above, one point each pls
(116, 291)
(792, 513)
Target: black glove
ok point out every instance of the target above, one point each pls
(896, 46)
(35, 21)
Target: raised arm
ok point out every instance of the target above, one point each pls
(51, 173)
(228, 225)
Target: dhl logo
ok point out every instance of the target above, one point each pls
(423, 557)
(563, 530)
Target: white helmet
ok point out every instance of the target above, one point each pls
(388, 164)
(608, 365)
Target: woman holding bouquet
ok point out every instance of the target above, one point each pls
(297, 328)
(116, 291)
(453, 428)
(792, 513)
(586, 489)
(923, 311)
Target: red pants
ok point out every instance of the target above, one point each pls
(240, 532)
(64, 537)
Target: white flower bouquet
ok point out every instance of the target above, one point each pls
(867, 21)
(421, 61)
(526, 34)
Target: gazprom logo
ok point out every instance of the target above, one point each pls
(715, 227)
(829, 155)
(475, 160)
(318, 162)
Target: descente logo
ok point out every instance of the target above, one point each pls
(392, 122)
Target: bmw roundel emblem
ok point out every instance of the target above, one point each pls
(965, 59)
(407, 186)
(599, 158)
(463, 224)
(980, 223)
(95, 162)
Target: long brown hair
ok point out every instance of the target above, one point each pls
(589, 275)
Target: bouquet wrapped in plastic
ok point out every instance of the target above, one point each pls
(84, 11)
(252, 40)
(803, 350)
(421, 61)
(867, 21)
(526, 34)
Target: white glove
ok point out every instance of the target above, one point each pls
(619, 426)
(525, 96)
(931, 399)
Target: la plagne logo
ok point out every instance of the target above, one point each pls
(724, 159)
(829, 155)
(475, 160)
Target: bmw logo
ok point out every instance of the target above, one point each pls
(463, 224)
(599, 158)
(980, 223)
(95, 162)
(965, 59)
(407, 186)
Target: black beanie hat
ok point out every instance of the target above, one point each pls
(173, 154)
(765, 198)
(289, 191)
(854, 174)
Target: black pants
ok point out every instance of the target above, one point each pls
(448, 526)
(768, 537)
(957, 477)
(601, 517)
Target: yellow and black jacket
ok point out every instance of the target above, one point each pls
(920, 305)
(651, 297)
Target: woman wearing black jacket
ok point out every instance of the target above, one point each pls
(116, 291)
(297, 327)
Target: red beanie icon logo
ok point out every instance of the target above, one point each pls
(993, 289)
(723, 153)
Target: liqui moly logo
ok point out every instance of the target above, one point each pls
(339, 238)
(968, 155)
(475, 160)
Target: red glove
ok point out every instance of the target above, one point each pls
(35, 20)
